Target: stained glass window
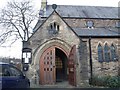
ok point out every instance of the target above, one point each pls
(113, 52)
(107, 52)
(100, 53)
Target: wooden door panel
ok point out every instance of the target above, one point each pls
(47, 67)
(71, 66)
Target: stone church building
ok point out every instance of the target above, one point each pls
(73, 43)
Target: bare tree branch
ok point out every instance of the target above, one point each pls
(17, 18)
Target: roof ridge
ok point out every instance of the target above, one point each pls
(86, 6)
(84, 11)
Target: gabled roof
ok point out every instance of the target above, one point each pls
(39, 24)
(84, 11)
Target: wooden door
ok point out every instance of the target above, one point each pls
(47, 67)
(71, 66)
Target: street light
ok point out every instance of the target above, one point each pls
(26, 58)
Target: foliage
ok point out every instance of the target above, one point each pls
(106, 81)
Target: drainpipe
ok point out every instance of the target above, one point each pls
(90, 56)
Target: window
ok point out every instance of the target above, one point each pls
(54, 25)
(106, 52)
(113, 52)
(15, 72)
(53, 28)
(4, 71)
(118, 24)
(100, 53)
(89, 24)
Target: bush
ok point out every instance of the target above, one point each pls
(106, 81)
(113, 81)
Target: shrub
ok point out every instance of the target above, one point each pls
(106, 81)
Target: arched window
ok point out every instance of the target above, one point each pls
(54, 25)
(107, 52)
(113, 52)
(51, 27)
(100, 53)
(54, 28)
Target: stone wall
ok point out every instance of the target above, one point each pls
(42, 35)
(75, 23)
(42, 40)
(84, 64)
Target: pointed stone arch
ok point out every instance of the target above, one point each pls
(53, 42)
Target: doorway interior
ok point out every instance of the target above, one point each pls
(61, 65)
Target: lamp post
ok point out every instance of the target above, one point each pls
(26, 58)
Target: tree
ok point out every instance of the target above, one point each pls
(17, 19)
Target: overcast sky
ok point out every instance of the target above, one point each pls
(15, 49)
(37, 3)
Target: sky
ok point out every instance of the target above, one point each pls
(14, 51)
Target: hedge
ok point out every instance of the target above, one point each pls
(106, 81)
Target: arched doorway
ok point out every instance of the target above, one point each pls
(53, 65)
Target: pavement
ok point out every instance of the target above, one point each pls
(63, 84)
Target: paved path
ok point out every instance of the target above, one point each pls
(57, 85)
